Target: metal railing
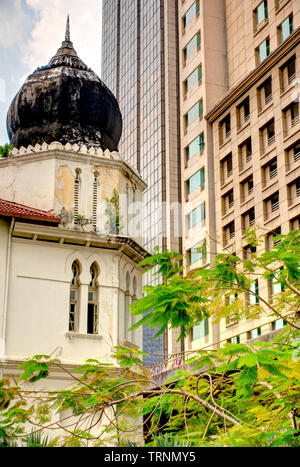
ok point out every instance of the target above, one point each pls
(292, 78)
(268, 99)
(296, 156)
(275, 206)
(271, 140)
(273, 173)
(176, 361)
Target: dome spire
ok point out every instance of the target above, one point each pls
(66, 54)
(65, 101)
(68, 37)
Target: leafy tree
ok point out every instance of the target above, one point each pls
(4, 150)
(235, 395)
(184, 301)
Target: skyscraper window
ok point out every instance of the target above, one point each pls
(192, 12)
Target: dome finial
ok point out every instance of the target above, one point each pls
(68, 37)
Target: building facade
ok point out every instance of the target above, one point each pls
(256, 139)
(140, 65)
(203, 80)
(238, 124)
(67, 285)
(239, 114)
(68, 269)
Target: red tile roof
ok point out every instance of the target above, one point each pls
(9, 209)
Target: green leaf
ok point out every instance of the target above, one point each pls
(249, 360)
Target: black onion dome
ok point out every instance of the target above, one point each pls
(65, 101)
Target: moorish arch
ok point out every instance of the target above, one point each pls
(84, 274)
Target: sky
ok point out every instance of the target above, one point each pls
(32, 31)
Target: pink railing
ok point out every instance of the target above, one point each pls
(173, 362)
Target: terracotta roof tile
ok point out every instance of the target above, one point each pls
(7, 208)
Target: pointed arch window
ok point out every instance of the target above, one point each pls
(92, 310)
(74, 298)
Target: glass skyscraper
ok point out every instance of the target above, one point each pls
(140, 65)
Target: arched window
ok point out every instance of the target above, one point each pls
(92, 311)
(74, 292)
(126, 311)
(76, 196)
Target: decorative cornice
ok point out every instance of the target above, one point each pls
(56, 146)
(124, 245)
(74, 149)
(249, 80)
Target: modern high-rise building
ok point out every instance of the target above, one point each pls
(239, 114)
(203, 80)
(256, 140)
(217, 81)
(140, 66)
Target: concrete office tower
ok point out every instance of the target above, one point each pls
(256, 139)
(238, 84)
(203, 80)
(239, 69)
(140, 65)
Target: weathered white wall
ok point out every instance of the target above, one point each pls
(41, 271)
(30, 183)
(40, 266)
(38, 306)
(45, 180)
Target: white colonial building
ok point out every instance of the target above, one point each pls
(69, 237)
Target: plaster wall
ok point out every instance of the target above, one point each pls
(31, 184)
(38, 303)
(46, 181)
